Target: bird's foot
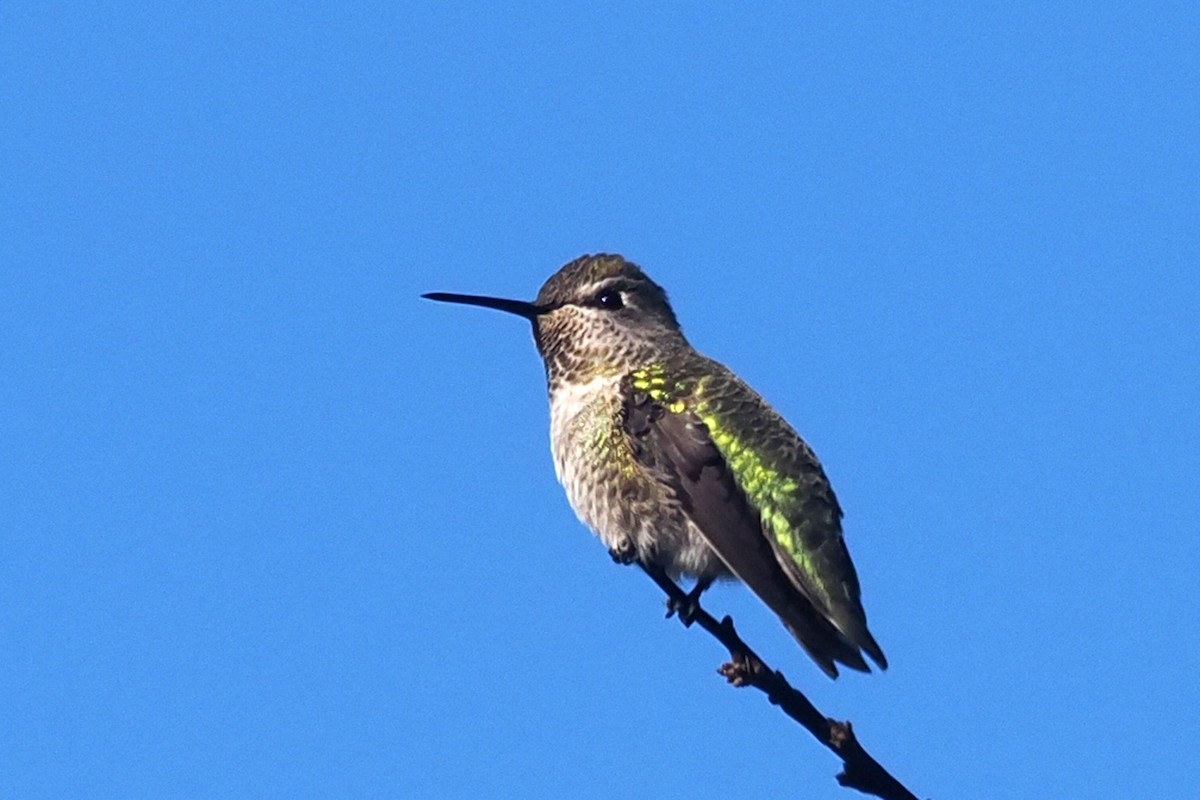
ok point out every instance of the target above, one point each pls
(687, 606)
(624, 553)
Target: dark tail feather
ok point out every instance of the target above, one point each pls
(852, 628)
(823, 642)
(873, 649)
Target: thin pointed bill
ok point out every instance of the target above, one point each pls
(529, 311)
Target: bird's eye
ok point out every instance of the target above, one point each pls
(610, 299)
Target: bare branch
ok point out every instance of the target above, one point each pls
(859, 769)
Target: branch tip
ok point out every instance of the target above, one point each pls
(860, 770)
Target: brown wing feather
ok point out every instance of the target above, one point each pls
(678, 450)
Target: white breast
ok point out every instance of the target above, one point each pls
(566, 403)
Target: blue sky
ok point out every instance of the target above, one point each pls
(274, 527)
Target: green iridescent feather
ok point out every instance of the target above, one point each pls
(780, 477)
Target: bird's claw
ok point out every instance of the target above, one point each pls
(624, 553)
(685, 607)
(688, 606)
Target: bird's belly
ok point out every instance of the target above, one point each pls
(690, 555)
(622, 505)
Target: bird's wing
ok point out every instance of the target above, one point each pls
(800, 513)
(673, 442)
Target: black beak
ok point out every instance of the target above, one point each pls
(519, 307)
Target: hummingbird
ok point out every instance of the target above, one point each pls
(674, 462)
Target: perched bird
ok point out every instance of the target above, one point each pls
(674, 461)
